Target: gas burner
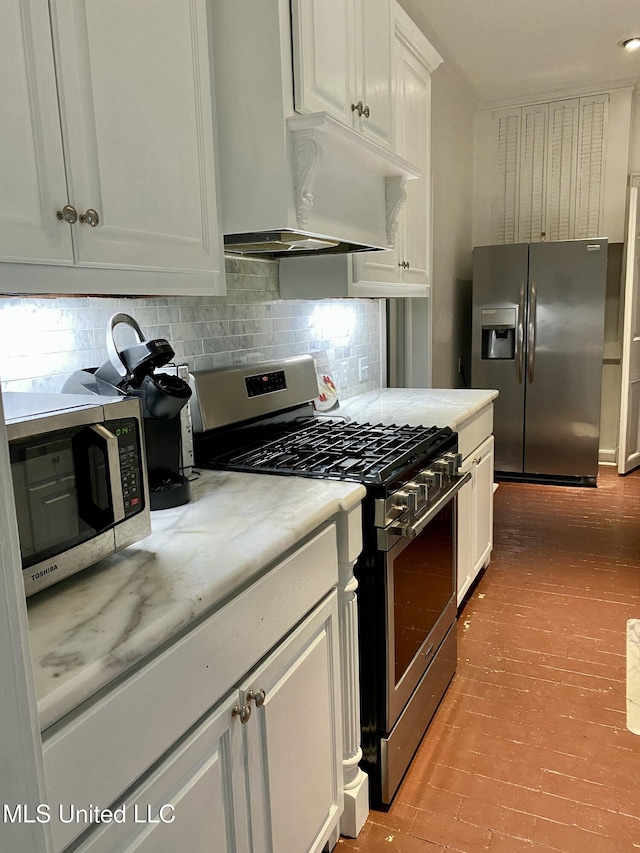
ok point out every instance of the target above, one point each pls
(363, 453)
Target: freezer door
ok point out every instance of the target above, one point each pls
(498, 355)
(565, 331)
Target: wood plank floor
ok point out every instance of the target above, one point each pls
(529, 749)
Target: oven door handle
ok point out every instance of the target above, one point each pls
(411, 531)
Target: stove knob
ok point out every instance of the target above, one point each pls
(454, 461)
(446, 464)
(431, 478)
(407, 498)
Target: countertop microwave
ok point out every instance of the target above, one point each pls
(79, 480)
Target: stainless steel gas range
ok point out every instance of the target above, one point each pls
(260, 418)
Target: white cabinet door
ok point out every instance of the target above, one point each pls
(324, 61)
(195, 801)
(294, 739)
(413, 114)
(342, 59)
(410, 260)
(136, 109)
(465, 555)
(475, 516)
(483, 499)
(32, 178)
(372, 29)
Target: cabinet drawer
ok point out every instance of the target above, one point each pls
(108, 745)
(474, 431)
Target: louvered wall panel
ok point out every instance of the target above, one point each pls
(533, 160)
(505, 178)
(563, 137)
(590, 166)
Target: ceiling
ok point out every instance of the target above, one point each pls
(510, 49)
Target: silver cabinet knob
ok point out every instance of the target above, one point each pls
(366, 112)
(257, 696)
(244, 713)
(90, 217)
(67, 214)
(359, 108)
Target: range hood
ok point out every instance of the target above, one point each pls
(286, 242)
(292, 183)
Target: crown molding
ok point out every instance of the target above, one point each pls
(545, 95)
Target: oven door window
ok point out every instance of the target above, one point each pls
(421, 607)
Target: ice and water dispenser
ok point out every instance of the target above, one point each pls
(498, 333)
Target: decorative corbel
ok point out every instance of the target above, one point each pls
(307, 161)
(395, 196)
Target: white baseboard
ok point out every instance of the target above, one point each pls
(607, 456)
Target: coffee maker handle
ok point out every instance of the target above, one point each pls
(114, 355)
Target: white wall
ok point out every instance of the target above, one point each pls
(452, 120)
(634, 148)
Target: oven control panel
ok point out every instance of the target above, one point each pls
(265, 383)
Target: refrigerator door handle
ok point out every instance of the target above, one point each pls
(531, 343)
(520, 336)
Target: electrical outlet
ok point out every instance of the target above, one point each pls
(363, 369)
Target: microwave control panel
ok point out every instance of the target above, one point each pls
(126, 431)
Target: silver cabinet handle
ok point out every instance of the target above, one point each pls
(68, 214)
(531, 343)
(359, 108)
(90, 217)
(520, 337)
(366, 112)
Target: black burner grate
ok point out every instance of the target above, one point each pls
(364, 453)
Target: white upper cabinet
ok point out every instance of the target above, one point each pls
(342, 62)
(109, 111)
(553, 171)
(32, 178)
(409, 263)
(404, 270)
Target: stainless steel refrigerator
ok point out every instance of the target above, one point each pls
(538, 329)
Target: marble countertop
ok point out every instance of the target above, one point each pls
(91, 628)
(417, 406)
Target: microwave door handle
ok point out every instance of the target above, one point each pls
(98, 517)
(113, 469)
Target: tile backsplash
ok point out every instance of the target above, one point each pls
(45, 338)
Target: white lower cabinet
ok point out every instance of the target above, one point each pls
(229, 739)
(261, 773)
(294, 740)
(193, 801)
(475, 516)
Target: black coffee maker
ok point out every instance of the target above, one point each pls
(131, 372)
